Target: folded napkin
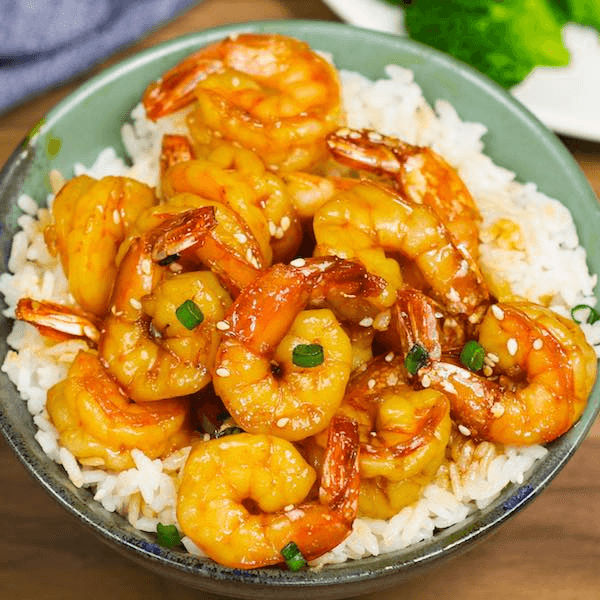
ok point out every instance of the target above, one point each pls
(45, 42)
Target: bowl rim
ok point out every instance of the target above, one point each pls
(448, 542)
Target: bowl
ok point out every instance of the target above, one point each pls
(90, 119)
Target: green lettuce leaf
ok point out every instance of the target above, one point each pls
(584, 12)
(505, 40)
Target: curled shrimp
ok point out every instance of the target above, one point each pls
(272, 196)
(91, 219)
(420, 174)
(99, 425)
(57, 321)
(242, 498)
(267, 92)
(254, 372)
(368, 220)
(143, 344)
(540, 372)
(228, 249)
(209, 181)
(403, 435)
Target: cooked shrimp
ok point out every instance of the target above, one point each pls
(99, 425)
(175, 149)
(546, 371)
(267, 92)
(368, 220)
(229, 249)
(255, 374)
(420, 174)
(143, 343)
(242, 498)
(271, 194)
(91, 219)
(58, 321)
(209, 181)
(403, 435)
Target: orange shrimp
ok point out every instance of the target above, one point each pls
(242, 498)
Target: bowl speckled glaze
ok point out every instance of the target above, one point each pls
(90, 119)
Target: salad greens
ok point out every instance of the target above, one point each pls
(505, 39)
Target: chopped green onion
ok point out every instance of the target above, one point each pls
(189, 314)
(293, 557)
(472, 355)
(308, 355)
(168, 535)
(416, 358)
(593, 315)
(223, 416)
(168, 260)
(228, 431)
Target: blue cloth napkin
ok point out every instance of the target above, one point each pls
(43, 43)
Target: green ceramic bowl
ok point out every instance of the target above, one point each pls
(90, 119)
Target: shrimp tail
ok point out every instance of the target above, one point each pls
(340, 478)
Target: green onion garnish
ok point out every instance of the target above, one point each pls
(293, 557)
(228, 431)
(168, 260)
(168, 535)
(472, 355)
(415, 358)
(308, 355)
(592, 317)
(189, 314)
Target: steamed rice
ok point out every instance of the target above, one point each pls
(540, 260)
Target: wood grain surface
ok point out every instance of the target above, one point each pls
(549, 551)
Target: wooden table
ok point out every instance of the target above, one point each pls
(550, 551)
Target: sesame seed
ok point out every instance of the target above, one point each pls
(279, 233)
(222, 372)
(288, 507)
(425, 381)
(493, 357)
(392, 379)
(538, 343)
(512, 346)
(272, 228)
(175, 268)
(389, 357)
(371, 383)
(249, 255)
(497, 409)
(135, 303)
(223, 325)
(464, 430)
(242, 238)
(344, 131)
(285, 223)
(283, 422)
(374, 136)
(116, 217)
(497, 312)
(146, 267)
(366, 322)
(298, 262)
(487, 370)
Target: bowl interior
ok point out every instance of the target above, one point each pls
(90, 119)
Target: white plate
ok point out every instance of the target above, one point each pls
(565, 99)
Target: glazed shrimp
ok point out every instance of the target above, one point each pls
(403, 435)
(224, 478)
(254, 372)
(174, 149)
(143, 344)
(368, 220)
(91, 219)
(543, 372)
(266, 92)
(209, 181)
(272, 196)
(420, 174)
(57, 321)
(99, 425)
(229, 249)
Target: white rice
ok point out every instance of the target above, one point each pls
(540, 260)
